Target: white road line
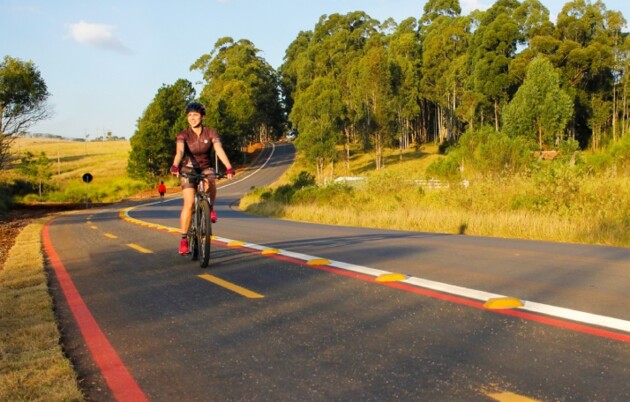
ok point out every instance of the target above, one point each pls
(540, 308)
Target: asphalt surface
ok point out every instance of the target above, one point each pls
(330, 330)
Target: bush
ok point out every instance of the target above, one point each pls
(503, 155)
(556, 189)
(334, 194)
(620, 153)
(487, 152)
(569, 151)
(447, 168)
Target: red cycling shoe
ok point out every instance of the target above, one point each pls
(183, 247)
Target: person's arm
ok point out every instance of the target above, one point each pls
(179, 155)
(218, 148)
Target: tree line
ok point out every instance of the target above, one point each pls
(355, 81)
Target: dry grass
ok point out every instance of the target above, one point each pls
(564, 208)
(106, 161)
(33, 365)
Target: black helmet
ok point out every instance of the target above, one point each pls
(196, 107)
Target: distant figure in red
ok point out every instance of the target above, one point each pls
(162, 189)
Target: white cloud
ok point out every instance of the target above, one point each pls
(471, 5)
(97, 35)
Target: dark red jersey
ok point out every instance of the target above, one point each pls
(198, 145)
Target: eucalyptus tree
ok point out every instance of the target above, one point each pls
(296, 64)
(615, 22)
(533, 20)
(153, 143)
(537, 32)
(241, 93)
(342, 40)
(440, 8)
(404, 53)
(330, 51)
(317, 112)
(586, 59)
(371, 80)
(23, 95)
(493, 47)
(445, 39)
(541, 109)
(623, 79)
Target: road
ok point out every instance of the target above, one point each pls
(292, 311)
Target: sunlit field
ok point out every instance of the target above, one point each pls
(577, 209)
(106, 161)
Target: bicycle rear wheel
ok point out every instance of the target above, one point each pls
(204, 233)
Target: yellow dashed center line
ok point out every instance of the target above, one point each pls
(231, 286)
(509, 397)
(140, 248)
(111, 236)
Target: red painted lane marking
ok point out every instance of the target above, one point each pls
(457, 299)
(118, 378)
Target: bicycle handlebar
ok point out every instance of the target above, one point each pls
(195, 175)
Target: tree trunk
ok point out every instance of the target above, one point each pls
(496, 115)
(614, 116)
(624, 113)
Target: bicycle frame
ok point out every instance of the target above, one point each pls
(200, 229)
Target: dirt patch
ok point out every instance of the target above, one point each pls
(12, 223)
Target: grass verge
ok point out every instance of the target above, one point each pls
(558, 204)
(33, 366)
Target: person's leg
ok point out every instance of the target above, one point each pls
(184, 217)
(212, 191)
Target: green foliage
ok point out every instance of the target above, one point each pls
(314, 113)
(153, 143)
(614, 160)
(37, 170)
(540, 109)
(303, 190)
(6, 200)
(555, 190)
(303, 179)
(486, 152)
(569, 152)
(448, 168)
(241, 94)
(23, 95)
(620, 153)
(322, 196)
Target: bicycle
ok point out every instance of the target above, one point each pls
(200, 230)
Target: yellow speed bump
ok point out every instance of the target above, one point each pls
(319, 261)
(392, 277)
(501, 303)
(236, 243)
(270, 251)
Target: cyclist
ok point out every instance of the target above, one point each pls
(162, 190)
(192, 153)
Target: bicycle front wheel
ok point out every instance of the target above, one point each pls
(204, 234)
(193, 247)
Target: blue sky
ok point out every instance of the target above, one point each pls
(104, 61)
